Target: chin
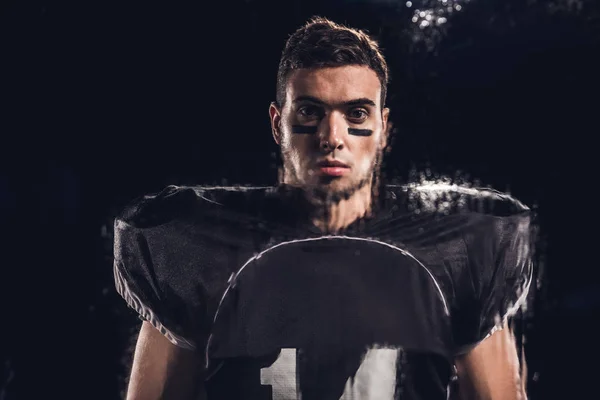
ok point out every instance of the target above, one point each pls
(332, 183)
(334, 188)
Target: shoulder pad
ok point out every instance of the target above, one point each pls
(177, 201)
(159, 208)
(448, 198)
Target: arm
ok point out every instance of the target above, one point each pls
(491, 370)
(167, 364)
(161, 370)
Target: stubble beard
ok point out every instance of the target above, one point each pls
(324, 191)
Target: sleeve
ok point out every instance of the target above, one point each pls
(499, 277)
(136, 281)
(505, 291)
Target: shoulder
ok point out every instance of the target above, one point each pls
(446, 198)
(479, 215)
(157, 207)
(174, 203)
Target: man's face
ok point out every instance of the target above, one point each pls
(331, 115)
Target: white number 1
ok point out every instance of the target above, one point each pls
(374, 379)
(281, 375)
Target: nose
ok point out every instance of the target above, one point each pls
(331, 133)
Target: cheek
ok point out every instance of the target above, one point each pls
(367, 151)
(299, 143)
(295, 148)
(366, 164)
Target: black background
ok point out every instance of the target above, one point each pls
(105, 101)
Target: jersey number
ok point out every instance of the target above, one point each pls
(374, 379)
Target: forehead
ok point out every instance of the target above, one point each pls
(333, 85)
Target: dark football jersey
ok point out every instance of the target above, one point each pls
(281, 311)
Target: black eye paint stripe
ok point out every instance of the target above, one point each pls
(360, 132)
(302, 129)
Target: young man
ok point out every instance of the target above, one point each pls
(330, 285)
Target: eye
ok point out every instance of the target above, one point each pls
(358, 114)
(310, 112)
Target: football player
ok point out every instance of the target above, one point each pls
(331, 284)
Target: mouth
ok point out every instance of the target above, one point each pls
(332, 168)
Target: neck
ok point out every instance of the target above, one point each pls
(332, 216)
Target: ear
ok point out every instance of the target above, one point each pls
(386, 127)
(275, 116)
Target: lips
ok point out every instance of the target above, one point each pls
(331, 163)
(333, 168)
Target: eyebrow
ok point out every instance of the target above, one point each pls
(353, 102)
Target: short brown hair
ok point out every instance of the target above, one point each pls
(322, 43)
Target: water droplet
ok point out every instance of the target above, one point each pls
(409, 4)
